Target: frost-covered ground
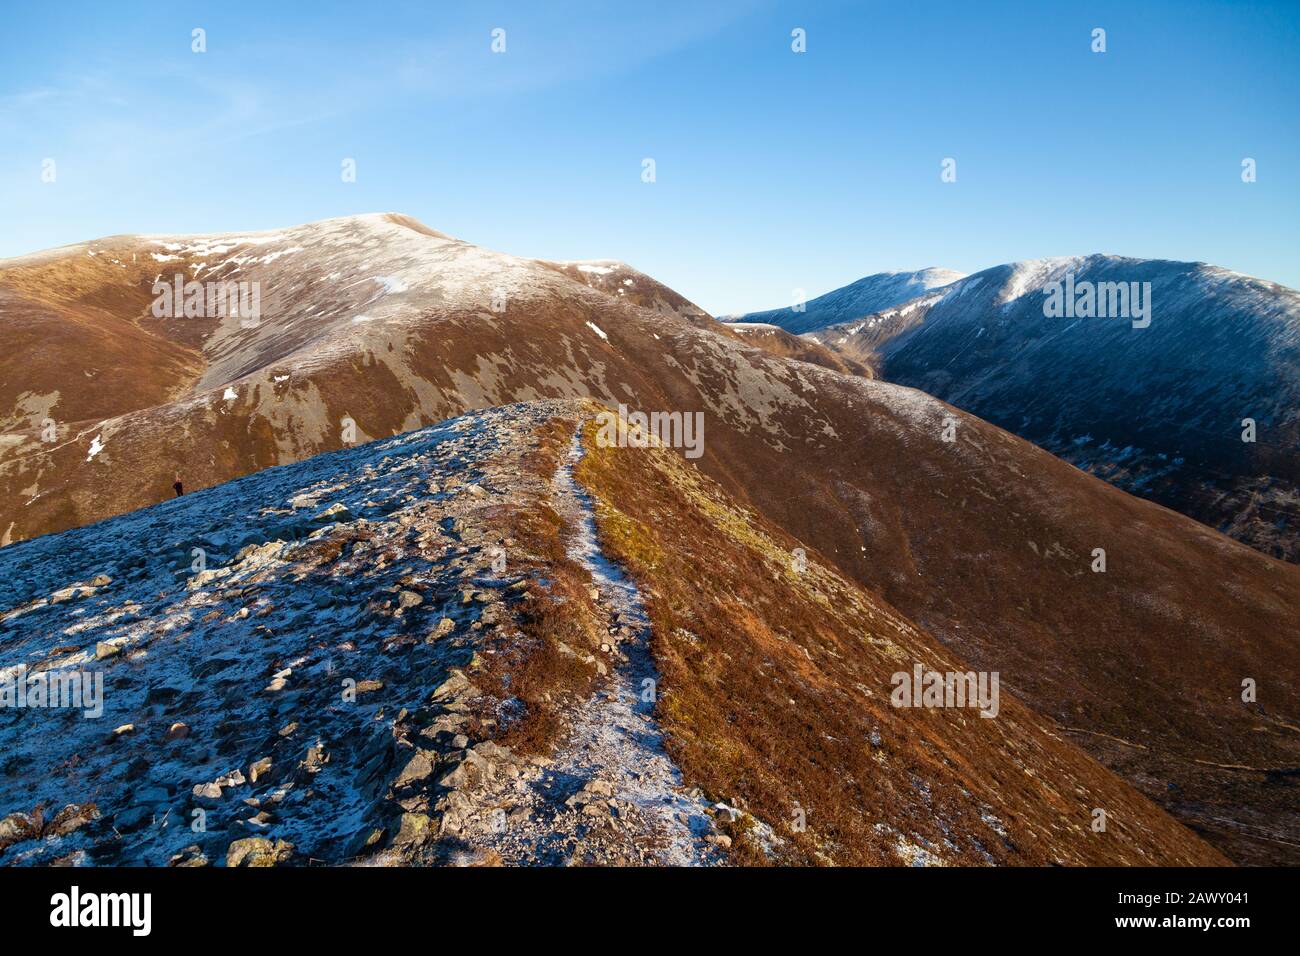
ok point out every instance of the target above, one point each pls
(224, 635)
(612, 767)
(284, 660)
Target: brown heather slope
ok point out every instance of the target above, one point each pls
(777, 341)
(375, 318)
(986, 541)
(775, 695)
(74, 348)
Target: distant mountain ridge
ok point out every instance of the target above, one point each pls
(868, 294)
(1159, 410)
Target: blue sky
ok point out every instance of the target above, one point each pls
(775, 170)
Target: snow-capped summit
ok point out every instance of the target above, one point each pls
(868, 294)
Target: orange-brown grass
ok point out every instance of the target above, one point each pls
(530, 664)
(543, 678)
(773, 681)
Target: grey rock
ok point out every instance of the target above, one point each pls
(414, 829)
(455, 685)
(207, 792)
(258, 852)
(419, 767)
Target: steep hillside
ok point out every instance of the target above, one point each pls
(982, 539)
(1157, 409)
(364, 643)
(419, 652)
(777, 341)
(778, 681)
(376, 319)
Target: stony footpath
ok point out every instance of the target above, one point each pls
(610, 794)
(290, 667)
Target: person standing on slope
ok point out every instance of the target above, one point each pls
(178, 487)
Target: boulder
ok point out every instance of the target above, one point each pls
(445, 724)
(454, 686)
(490, 750)
(177, 731)
(18, 827)
(258, 851)
(206, 792)
(363, 840)
(469, 774)
(233, 779)
(419, 767)
(456, 808)
(70, 818)
(132, 819)
(68, 593)
(414, 829)
(192, 855)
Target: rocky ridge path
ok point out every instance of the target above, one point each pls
(610, 794)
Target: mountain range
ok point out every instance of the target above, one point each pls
(933, 535)
(1195, 407)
